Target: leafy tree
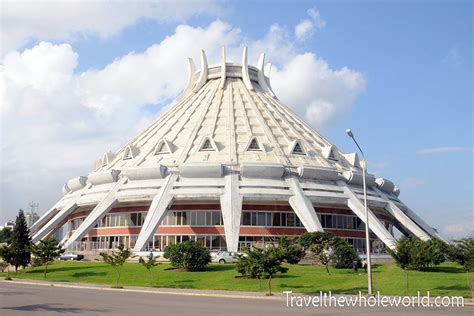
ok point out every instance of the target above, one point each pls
(150, 264)
(5, 235)
(343, 253)
(261, 264)
(330, 249)
(402, 256)
(7, 255)
(462, 252)
(116, 259)
(188, 255)
(47, 251)
(20, 242)
(417, 254)
(289, 250)
(324, 251)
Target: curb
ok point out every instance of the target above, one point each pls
(149, 291)
(184, 292)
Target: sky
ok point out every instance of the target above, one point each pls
(79, 78)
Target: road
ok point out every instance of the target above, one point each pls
(25, 299)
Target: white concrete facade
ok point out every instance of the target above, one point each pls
(228, 139)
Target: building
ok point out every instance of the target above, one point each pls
(227, 165)
(31, 218)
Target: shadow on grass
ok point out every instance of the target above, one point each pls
(453, 288)
(88, 274)
(53, 269)
(446, 269)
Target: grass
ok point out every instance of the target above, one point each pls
(447, 279)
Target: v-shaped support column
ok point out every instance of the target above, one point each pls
(231, 207)
(44, 229)
(420, 222)
(45, 218)
(104, 206)
(156, 212)
(402, 217)
(303, 207)
(58, 218)
(374, 224)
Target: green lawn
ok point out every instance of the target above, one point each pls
(447, 279)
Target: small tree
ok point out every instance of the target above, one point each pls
(261, 263)
(344, 255)
(149, 264)
(46, 251)
(462, 252)
(324, 252)
(7, 255)
(116, 259)
(188, 255)
(20, 242)
(402, 256)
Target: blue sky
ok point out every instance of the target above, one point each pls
(407, 78)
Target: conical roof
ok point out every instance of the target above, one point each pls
(228, 139)
(228, 114)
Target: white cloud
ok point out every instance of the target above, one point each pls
(305, 28)
(321, 94)
(446, 149)
(454, 58)
(65, 20)
(56, 122)
(458, 230)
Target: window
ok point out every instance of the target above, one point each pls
(163, 147)
(296, 148)
(253, 145)
(208, 144)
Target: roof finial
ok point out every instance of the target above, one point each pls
(245, 70)
(262, 81)
(223, 70)
(203, 75)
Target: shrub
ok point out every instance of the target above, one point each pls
(289, 250)
(188, 255)
(343, 254)
(417, 254)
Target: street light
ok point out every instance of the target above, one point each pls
(367, 239)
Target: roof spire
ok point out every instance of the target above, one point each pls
(223, 70)
(203, 75)
(245, 70)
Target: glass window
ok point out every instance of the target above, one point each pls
(215, 242)
(185, 218)
(329, 221)
(276, 219)
(283, 219)
(290, 219)
(246, 219)
(171, 218)
(260, 219)
(201, 218)
(200, 240)
(216, 218)
(268, 221)
(208, 218)
(253, 219)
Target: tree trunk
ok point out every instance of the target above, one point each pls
(327, 269)
(270, 285)
(45, 270)
(119, 270)
(469, 284)
(406, 280)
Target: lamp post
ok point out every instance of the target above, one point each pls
(367, 239)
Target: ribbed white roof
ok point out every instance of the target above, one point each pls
(226, 108)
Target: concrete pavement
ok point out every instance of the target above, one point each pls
(35, 299)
